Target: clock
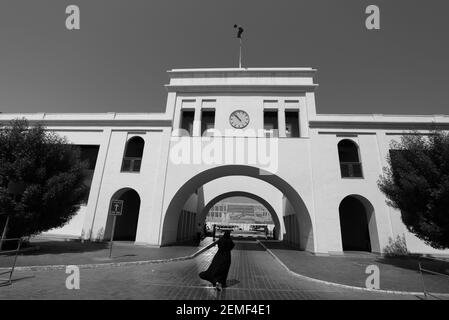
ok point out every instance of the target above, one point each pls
(239, 119)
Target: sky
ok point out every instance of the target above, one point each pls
(117, 61)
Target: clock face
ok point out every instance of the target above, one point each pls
(239, 119)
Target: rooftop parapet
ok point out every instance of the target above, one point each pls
(244, 79)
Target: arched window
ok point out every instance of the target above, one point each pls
(350, 164)
(132, 159)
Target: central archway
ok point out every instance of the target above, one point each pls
(265, 203)
(174, 208)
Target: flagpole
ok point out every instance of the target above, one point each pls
(239, 35)
(240, 56)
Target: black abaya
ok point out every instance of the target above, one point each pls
(219, 268)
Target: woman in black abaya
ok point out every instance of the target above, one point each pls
(217, 273)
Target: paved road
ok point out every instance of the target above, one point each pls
(254, 274)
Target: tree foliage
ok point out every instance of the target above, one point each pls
(416, 182)
(50, 173)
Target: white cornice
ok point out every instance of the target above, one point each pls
(399, 125)
(242, 70)
(241, 88)
(92, 123)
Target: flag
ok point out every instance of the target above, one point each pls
(239, 31)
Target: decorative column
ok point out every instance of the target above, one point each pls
(281, 120)
(197, 120)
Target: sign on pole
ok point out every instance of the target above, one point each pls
(115, 210)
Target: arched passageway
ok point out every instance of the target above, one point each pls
(126, 224)
(305, 237)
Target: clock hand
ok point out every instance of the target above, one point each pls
(238, 118)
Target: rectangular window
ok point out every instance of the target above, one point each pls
(89, 154)
(292, 123)
(270, 126)
(187, 118)
(207, 122)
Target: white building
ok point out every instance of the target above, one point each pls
(319, 180)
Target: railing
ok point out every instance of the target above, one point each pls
(421, 271)
(351, 170)
(131, 164)
(7, 281)
(271, 133)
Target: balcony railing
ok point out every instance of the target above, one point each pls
(271, 133)
(131, 164)
(351, 170)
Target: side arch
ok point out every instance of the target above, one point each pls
(356, 211)
(126, 224)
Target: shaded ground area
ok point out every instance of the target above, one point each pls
(54, 252)
(247, 235)
(399, 274)
(254, 275)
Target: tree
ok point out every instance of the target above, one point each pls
(49, 172)
(416, 182)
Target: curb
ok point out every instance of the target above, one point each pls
(345, 286)
(111, 264)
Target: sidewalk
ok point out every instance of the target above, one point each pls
(58, 252)
(397, 274)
